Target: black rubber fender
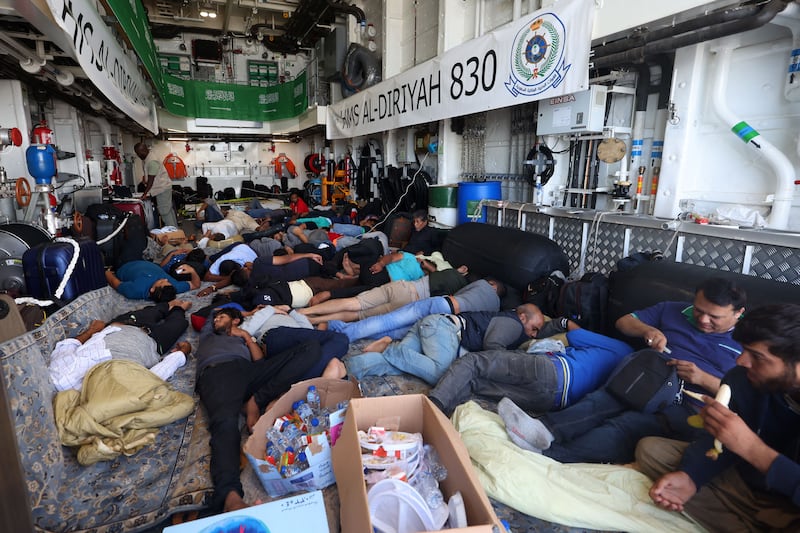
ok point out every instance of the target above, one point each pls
(659, 281)
(361, 69)
(513, 256)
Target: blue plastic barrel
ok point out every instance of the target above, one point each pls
(41, 159)
(470, 193)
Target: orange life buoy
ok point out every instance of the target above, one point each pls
(176, 169)
(281, 160)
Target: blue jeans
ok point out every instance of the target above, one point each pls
(395, 324)
(601, 429)
(426, 351)
(352, 230)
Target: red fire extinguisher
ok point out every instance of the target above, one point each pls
(42, 134)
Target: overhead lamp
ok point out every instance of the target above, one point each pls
(212, 14)
(204, 12)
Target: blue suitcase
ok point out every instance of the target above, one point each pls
(47, 264)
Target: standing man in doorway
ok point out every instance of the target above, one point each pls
(157, 185)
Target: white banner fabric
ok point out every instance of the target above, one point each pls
(105, 62)
(541, 55)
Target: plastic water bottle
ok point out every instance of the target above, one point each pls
(312, 397)
(317, 425)
(291, 431)
(304, 411)
(434, 464)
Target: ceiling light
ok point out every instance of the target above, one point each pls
(204, 13)
(212, 14)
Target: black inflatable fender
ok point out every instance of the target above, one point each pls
(660, 281)
(513, 256)
(361, 69)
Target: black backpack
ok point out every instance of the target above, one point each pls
(585, 301)
(545, 292)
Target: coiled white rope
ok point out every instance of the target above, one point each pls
(76, 252)
(113, 233)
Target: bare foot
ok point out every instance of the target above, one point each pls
(322, 296)
(335, 369)
(252, 413)
(234, 502)
(378, 345)
(347, 265)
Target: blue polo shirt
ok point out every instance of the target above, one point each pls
(138, 276)
(714, 353)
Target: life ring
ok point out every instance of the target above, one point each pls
(23, 192)
(361, 69)
(77, 222)
(315, 163)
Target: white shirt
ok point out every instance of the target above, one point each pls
(71, 360)
(241, 254)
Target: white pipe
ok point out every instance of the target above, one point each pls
(516, 10)
(103, 126)
(788, 18)
(780, 164)
(479, 18)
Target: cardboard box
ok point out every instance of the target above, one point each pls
(320, 472)
(416, 415)
(305, 512)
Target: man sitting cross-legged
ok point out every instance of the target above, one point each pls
(754, 484)
(600, 428)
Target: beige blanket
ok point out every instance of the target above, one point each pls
(607, 497)
(117, 411)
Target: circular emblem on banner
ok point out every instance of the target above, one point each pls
(537, 56)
